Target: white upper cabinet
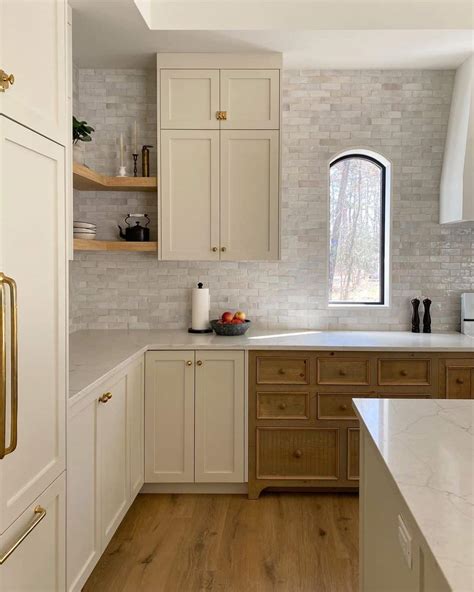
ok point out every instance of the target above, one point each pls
(219, 190)
(189, 99)
(249, 195)
(33, 50)
(250, 99)
(190, 195)
(33, 255)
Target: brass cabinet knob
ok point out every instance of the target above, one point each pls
(298, 453)
(281, 371)
(403, 372)
(459, 380)
(214, 249)
(221, 115)
(109, 396)
(6, 80)
(282, 406)
(223, 249)
(342, 373)
(189, 363)
(199, 362)
(104, 398)
(343, 407)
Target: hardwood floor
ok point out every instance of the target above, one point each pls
(191, 543)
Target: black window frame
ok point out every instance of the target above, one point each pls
(383, 202)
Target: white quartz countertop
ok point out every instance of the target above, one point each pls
(428, 447)
(95, 354)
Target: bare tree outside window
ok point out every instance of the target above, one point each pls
(357, 219)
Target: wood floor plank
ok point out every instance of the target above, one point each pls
(283, 542)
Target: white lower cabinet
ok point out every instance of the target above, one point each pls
(38, 564)
(105, 467)
(194, 410)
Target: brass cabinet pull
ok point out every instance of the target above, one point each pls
(282, 406)
(281, 371)
(342, 373)
(223, 249)
(199, 362)
(214, 249)
(343, 407)
(189, 363)
(105, 398)
(221, 115)
(403, 372)
(40, 513)
(109, 396)
(298, 453)
(6, 80)
(4, 449)
(459, 380)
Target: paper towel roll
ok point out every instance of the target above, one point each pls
(200, 312)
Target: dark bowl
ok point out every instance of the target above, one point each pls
(228, 329)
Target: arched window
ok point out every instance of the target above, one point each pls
(358, 246)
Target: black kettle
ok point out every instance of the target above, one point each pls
(136, 233)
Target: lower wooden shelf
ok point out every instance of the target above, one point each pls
(99, 245)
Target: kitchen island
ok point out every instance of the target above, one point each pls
(416, 492)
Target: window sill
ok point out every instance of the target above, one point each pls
(371, 306)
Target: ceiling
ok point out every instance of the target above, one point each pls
(113, 34)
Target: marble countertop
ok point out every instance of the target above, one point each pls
(428, 447)
(94, 355)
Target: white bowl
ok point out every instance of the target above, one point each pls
(85, 225)
(84, 235)
(85, 230)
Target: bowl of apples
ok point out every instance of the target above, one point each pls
(231, 324)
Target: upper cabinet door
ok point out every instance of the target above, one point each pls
(32, 254)
(249, 195)
(33, 49)
(251, 99)
(189, 99)
(190, 195)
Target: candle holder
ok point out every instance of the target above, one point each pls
(135, 169)
(122, 172)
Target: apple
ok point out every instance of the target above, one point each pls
(240, 315)
(227, 317)
(237, 321)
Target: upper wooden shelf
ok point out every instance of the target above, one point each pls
(86, 179)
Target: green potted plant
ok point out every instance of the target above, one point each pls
(81, 132)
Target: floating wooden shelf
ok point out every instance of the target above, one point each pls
(81, 244)
(86, 179)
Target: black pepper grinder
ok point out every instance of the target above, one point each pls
(146, 160)
(427, 316)
(415, 317)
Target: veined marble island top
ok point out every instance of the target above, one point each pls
(95, 354)
(428, 448)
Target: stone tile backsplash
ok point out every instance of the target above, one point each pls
(401, 114)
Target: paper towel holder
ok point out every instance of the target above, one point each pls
(191, 330)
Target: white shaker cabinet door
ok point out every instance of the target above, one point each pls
(249, 195)
(32, 254)
(136, 418)
(219, 456)
(38, 564)
(190, 195)
(113, 457)
(33, 49)
(169, 417)
(189, 99)
(251, 99)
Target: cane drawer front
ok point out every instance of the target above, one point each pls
(283, 405)
(404, 371)
(340, 371)
(282, 370)
(336, 406)
(298, 453)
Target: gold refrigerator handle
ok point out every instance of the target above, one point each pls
(4, 449)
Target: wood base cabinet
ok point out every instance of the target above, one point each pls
(303, 432)
(194, 417)
(105, 467)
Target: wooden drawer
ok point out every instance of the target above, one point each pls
(353, 453)
(281, 370)
(459, 382)
(298, 453)
(337, 371)
(335, 406)
(404, 371)
(283, 405)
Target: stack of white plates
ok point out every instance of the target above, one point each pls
(85, 230)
